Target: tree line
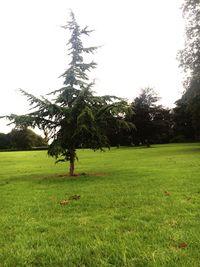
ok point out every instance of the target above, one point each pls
(21, 139)
(153, 124)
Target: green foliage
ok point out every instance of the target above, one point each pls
(189, 56)
(4, 141)
(131, 214)
(152, 121)
(182, 122)
(189, 59)
(21, 139)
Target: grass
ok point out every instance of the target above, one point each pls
(138, 207)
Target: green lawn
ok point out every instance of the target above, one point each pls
(137, 207)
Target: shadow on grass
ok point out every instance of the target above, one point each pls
(65, 176)
(190, 150)
(55, 178)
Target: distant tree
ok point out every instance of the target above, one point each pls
(145, 108)
(4, 141)
(21, 139)
(162, 121)
(76, 117)
(189, 59)
(25, 139)
(117, 134)
(153, 122)
(182, 122)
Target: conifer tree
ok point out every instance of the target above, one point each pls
(76, 117)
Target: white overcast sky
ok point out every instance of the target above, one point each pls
(140, 42)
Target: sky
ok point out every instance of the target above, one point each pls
(139, 43)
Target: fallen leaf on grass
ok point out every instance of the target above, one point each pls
(75, 197)
(67, 201)
(183, 245)
(64, 202)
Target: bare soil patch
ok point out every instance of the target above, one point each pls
(67, 176)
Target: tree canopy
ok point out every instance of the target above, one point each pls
(189, 59)
(21, 139)
(152, 121)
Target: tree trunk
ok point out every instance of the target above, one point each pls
(147, 143)
(72, 160)
(71, 168)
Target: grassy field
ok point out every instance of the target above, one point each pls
(137, 207)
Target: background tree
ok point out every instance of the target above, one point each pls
(21, 139)
(183, 130)
(153, 122)
(144, 106)
(4, 141)
(76, 117)
(162, 121)
(189, 59)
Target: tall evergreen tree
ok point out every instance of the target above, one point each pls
(76, 117)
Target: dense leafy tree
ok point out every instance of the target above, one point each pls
(190, 61)
(153, 122)
(144, 106)
(190, 55)
(76, 117)
(119, 132)
(162, 121)
(182, 123)
(4, 141)
(21, 139)
(25, 139)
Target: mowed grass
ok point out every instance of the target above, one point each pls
(137, 207)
